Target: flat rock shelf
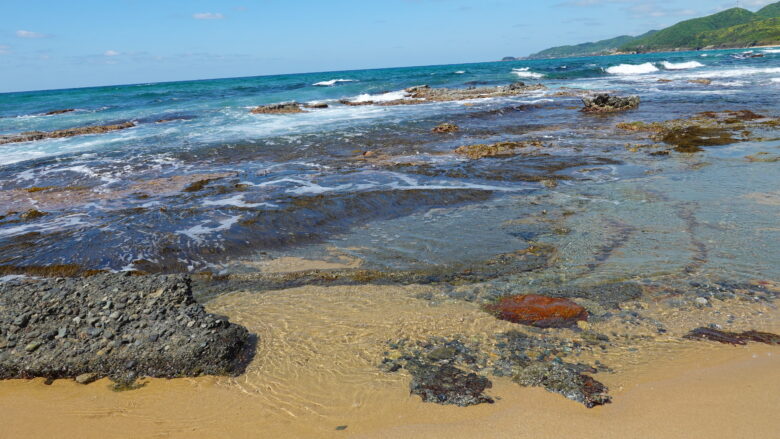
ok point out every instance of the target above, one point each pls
(116, 326)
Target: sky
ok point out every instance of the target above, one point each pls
(50, 44)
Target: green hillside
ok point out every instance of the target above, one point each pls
(585, 49)
(683, 34)
(770, 11)
(755, 33)
(735, 27)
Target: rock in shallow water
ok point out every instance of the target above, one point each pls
(539, 311)
(446, 384)
(735, 338)
(566, 380)
(114, 325)
(604, 103)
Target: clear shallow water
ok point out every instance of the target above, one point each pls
(282, 183)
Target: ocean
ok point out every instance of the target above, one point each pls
(372, 181)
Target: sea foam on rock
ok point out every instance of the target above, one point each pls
(114, 325)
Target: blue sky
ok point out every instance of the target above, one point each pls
(58, 44)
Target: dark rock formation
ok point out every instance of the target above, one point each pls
(317, 105)
(443, 371)
(53, 112)
(449, 385)
(539, 311)
(285, 108)
(113, 325)
(566, 380)
(604, 103)
(446, 128)
(70, 132)
(735, 338)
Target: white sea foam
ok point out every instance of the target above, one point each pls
(524, 72)
(237, 201)
(682, 66)
(775, 80)
(460, 72)
(196, 232)
(385, 97)
(632, 69)
(772, 51)
(332, 82)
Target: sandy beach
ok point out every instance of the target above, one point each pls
(316, 371)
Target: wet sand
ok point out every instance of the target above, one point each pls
(316, 370)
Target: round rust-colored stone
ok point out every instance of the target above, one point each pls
(539, 311)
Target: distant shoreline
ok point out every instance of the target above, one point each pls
(676, 50)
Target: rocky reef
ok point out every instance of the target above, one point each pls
(32, 136)
(446, 128)
(702, 130)
(605, 103)
(114, 325)
(424, 93)
(283, 108)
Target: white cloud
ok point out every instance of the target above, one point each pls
(208, 16)
(4, 50)
(111, 53)
(29, 34)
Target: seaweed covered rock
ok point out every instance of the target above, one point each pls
(539, 311)
(605, 103)
(566, 380)
(113, 325)
(283, 108)
(735, 338)
(447, 384)
(495, 150)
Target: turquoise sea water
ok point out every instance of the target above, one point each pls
(289, 182)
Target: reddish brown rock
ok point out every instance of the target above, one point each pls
(539, 311)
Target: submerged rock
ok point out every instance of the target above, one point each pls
(735, 338)
(113, 325)
(539, 311)
(446, 384)
(284, 108)
(446, 128)
(691, 139)
(32, 136)
(605, 103)
(565, 380)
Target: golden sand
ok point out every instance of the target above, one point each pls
(316, 370)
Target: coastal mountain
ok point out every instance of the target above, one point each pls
(735, 27)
